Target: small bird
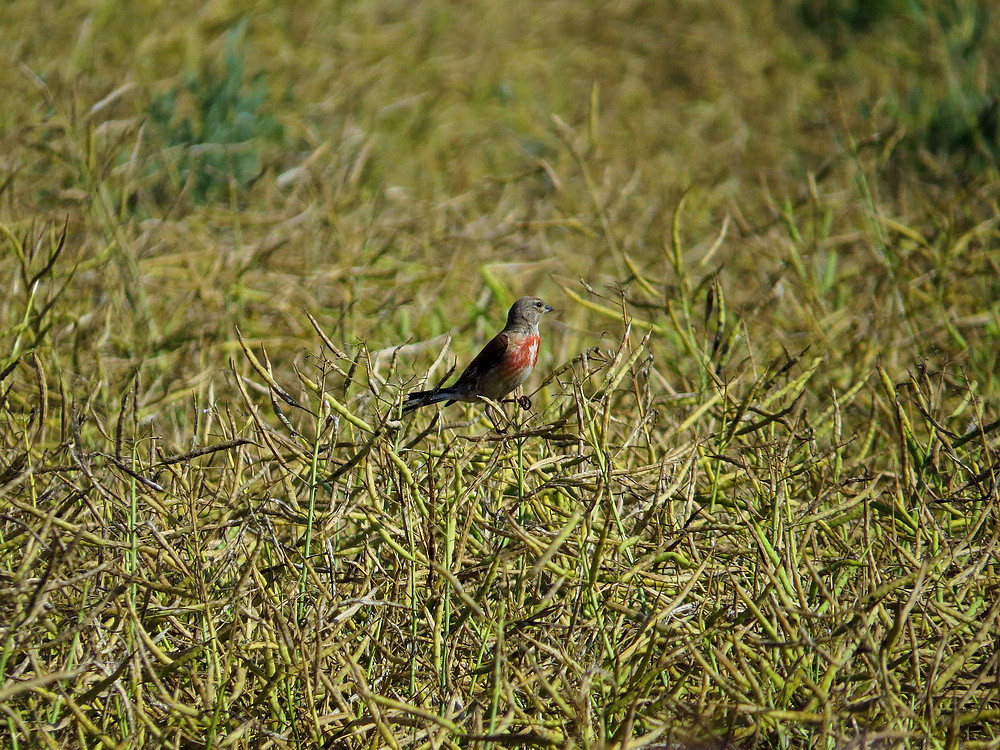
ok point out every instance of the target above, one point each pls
(502, 365)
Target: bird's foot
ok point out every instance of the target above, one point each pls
(524, 402)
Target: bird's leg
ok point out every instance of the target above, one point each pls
(523, 401)
(491, 407)
(503, 415)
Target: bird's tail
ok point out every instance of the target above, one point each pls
(416, 399)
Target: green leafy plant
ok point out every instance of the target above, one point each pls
(838, 17)
(948, 110)
(965, 123)
(212, 126)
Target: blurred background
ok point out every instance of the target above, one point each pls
(757, 495)
(403, 171)
(228, 159)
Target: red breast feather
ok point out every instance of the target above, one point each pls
(523, 354)
(512, 370)
(502, 365)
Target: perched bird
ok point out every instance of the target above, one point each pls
(502, 365)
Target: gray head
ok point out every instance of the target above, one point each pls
(527, 311)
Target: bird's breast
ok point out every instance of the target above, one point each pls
(524, 354)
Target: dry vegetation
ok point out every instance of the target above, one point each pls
(755, 503)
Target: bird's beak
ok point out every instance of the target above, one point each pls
(549, 308)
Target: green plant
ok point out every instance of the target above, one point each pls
(213, 126)
(965, 122)
(831, 18)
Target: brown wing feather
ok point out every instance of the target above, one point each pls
(491, 356)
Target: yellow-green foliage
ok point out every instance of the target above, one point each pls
(755, 499)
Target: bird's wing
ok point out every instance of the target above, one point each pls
(490, 357)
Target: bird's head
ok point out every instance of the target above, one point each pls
(527, 311)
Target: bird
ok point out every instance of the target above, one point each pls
(503, 364)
